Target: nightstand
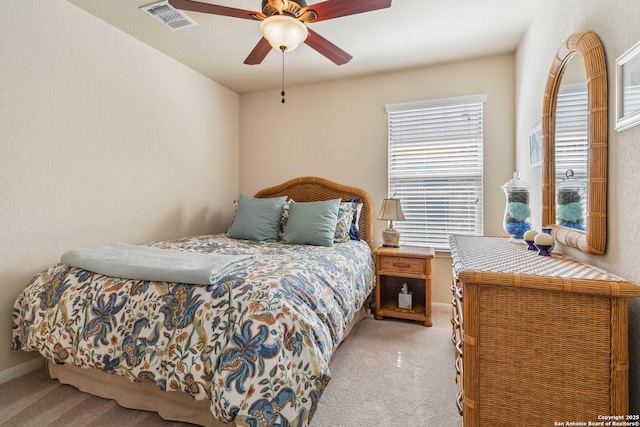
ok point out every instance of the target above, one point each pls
(395, 267)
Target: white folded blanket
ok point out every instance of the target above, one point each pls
(147, 263)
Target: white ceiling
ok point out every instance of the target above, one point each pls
(409, 34)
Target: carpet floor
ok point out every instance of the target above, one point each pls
(387, 373)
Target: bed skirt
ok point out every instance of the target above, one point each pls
(170, 405)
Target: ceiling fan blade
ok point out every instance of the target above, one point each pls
(330, 9)
(326, 48)
(195, 6)
(258, 53)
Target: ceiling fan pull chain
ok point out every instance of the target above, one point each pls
(283, 48)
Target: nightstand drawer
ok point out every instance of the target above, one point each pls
(402, 264)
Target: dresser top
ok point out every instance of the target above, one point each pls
(495, 260)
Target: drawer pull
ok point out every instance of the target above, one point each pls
(401, 265)
(458, 365)
(459, 403)
(459, 348)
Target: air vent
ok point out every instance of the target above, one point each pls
(169, 16)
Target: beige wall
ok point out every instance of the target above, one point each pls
(616, 24)
(102, 139)
(338, 130)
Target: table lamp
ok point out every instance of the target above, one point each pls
(391, 211)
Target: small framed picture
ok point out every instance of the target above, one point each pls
(628, 89)
(535, 146)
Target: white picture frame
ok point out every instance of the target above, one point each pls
(535, 146)
(628, 89)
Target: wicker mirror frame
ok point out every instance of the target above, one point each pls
(593, 240)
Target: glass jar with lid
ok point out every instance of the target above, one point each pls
(517, 214)
(571, 201)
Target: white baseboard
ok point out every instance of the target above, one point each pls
(17, 371)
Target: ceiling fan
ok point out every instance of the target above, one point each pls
(288, 18)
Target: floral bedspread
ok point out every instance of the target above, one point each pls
(257, 344)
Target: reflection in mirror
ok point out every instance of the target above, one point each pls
(574, 129)
(571, 148)
(631, 85)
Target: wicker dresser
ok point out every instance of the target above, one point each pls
(539, 340)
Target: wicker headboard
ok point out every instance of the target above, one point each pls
(312, 189)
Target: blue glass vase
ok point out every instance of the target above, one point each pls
(517, 214)
(571, 201)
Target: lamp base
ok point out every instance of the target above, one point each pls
(391, 238)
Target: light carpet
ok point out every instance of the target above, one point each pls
(393, 373)
(387, 373)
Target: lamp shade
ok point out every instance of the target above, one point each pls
(283, 32)
(391, 210)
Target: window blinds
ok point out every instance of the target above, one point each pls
(435, 168)
(631, 100)
(572, 132)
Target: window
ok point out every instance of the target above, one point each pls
(435, 168)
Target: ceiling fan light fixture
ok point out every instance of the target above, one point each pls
(283, 32)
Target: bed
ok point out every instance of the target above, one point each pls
(251, 349)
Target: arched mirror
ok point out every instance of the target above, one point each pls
(574, 128)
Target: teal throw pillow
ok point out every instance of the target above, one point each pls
(257, 219)
(312, 223)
